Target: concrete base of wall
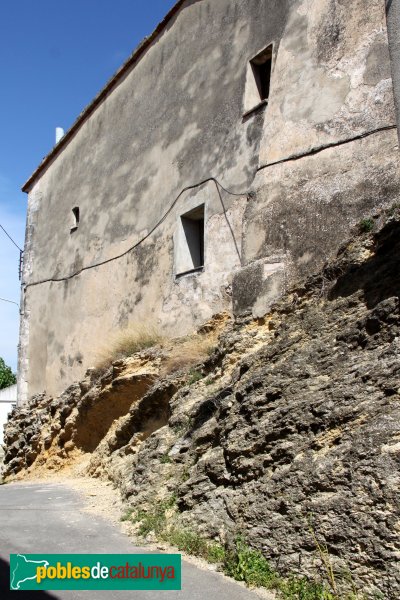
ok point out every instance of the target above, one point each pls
(256, 287)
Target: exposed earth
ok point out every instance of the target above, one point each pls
(285, 432)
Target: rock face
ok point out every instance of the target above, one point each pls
(287, 434)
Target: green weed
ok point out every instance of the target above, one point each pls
(303, 589)
(165, 459)
(393, 209)
(127, 516)
(242, 563)
(194, 376)
(250, 566)
(183, 426)
(150, 522)
(195, 545)
(366, 225)
(185, 475)
(155, 520)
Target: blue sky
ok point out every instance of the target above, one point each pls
(55, 55)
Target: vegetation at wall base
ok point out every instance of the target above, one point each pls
(366, 225)
(165, 459)
(127, 516)
(241, 562)
(194, 376)
(127, 342)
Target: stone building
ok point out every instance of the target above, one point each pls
(228, 157)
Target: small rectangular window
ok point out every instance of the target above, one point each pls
(190, 242)
(262, 65)
(258, 81)
(75, 218)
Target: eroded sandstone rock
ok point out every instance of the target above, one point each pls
(289, 432)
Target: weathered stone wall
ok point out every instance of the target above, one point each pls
(302, 210)
(174, 120)
(329, 155)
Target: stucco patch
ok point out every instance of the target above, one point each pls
(377, 64)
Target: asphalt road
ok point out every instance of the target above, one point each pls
(50, 519)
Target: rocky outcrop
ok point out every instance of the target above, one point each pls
(287, 434)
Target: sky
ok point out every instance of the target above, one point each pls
(55, 56)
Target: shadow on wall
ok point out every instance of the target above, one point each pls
(7, 594)
(375, 276)
(98, 413)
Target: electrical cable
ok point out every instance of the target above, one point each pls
(191, 187)
(144, 238)
(327, 146)
(10, 238)
(10, 301)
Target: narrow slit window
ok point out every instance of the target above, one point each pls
(262, 66)
(258, 81)
(190, 242)
(75, 218)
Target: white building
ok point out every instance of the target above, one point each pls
(8, 399)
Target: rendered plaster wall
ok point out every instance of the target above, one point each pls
(332, 77)
(393, 27)
(329, 155)
(173, 121)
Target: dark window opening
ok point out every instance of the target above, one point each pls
(193, 227)
(76, 216)
(262, 67)
(190, 251)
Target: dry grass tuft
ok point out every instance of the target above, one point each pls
(189, 351)
(180, 354)
(127, 342)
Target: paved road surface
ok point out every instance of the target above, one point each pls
(49, 519)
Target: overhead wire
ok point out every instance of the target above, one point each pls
(10, 301)
(10, 238)
(148, 234)
(219, 187)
